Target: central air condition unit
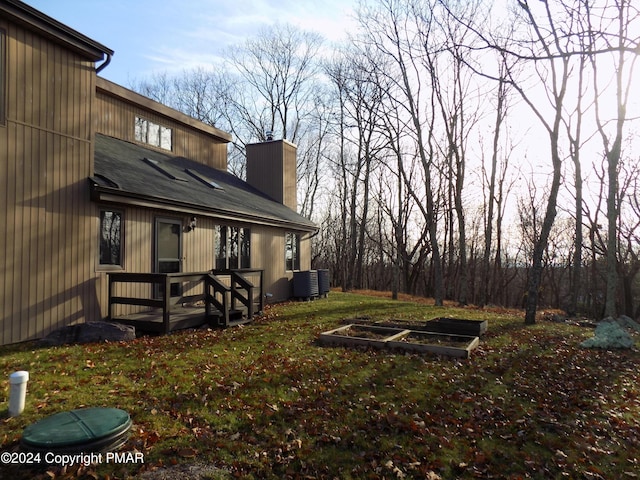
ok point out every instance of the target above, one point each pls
(323, 282)
(305, 284)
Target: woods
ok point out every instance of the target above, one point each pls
(458, 150)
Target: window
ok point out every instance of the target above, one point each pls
(245, 248)
(2, 78)
(232, 247)
(292, 251)
(221, 247)
(111, 238)
(153, 134)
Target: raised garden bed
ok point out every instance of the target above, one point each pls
(360, 335)
(375, 336)
(451, 326)
(457, 326)
(450, 345)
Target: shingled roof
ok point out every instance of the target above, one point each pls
(129, 173)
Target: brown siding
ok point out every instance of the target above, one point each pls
(289, 161)
(137, 254)
(271, 168)
(45, 158)
(115, 117)
(267, 253)
(50, 240)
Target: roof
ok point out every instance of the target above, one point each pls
(26, 15)
(123, 94)
(131, 174)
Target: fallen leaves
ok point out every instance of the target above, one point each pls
(264, 401)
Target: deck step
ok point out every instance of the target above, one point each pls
(240, 321)
(190, 317)
(236, 317)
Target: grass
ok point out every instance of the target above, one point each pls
(265, 401)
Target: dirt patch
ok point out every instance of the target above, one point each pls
(370, 333)
(191, 471)
(430, 339)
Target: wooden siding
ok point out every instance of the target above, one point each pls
(197, 248)
(271, 168)
(115, 117)
(137, 256)
(267, 253)
(45, 158)
(50, 240)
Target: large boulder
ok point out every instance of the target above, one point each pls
(627, 322)
(90, 332)
(610, 334)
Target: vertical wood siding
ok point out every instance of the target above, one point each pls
(271, 168)
(267, 253)
(115, 118)
(137, 256)
(45, 158)
(50, 239)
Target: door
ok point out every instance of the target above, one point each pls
(168, 249)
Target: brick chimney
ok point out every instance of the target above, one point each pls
(271, 168)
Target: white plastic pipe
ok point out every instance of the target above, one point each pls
(17, 392)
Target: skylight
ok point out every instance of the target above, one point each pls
(158, 166)
(203, 178)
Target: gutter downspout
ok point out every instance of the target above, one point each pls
(106, 62)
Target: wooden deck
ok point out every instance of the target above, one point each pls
(189, 317)
(228, 298)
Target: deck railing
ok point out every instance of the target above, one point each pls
(218, 295)
(246, 288)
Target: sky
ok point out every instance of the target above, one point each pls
(165, 36)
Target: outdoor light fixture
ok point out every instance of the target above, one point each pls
(192, 224)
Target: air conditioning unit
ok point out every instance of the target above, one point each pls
(305, 284)
(323, 282)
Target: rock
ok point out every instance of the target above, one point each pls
(609, 335)
(90, 332)
(627, 322)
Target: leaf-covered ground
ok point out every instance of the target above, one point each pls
(266, 401)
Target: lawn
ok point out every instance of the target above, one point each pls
(266, 401)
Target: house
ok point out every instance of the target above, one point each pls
(108, 196)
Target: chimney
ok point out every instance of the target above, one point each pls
(271, 168)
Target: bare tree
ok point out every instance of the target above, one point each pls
(278, 66)
(501, 109)
(456, 95)
(409, 256)
(628, 241)
(360, 91)
(574, 135)
(267, 84)
(391, 29)
(610, 31)
(547, 47)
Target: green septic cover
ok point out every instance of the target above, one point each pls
(76, 427)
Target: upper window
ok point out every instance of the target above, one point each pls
(232, 247)
(3, 95)
(111, 238)
(292, 251)
(153, 134)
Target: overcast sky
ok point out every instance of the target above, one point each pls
(168, 36)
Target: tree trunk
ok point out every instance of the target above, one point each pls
(535, 274)
(610, 309)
